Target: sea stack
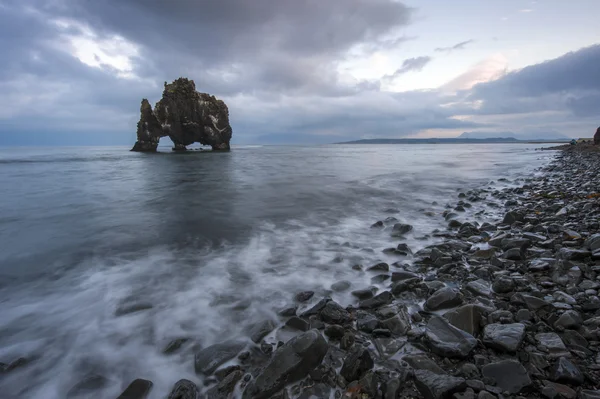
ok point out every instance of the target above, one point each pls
(597, 137)
(186, 116)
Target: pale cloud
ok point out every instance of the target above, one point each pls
(526, 10)
(457, 46)
(489, 69)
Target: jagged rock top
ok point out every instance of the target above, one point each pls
(186, 116)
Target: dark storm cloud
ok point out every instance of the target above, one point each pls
(410, 64)
(236, 44)
(457, 46)
(568, 83)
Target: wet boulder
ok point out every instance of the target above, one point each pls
(509, 375)
(438, 386)
(446, 340)
(184, 389)
(444, 298)
(356, 363)
(209, 359)
(504, 337)
(291, 362)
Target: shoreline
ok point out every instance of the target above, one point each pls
(508, 308)
(490, 309)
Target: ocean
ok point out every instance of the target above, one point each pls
(106, 255)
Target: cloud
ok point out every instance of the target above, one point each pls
(457, 46)
(489, 69)
(525, 10)
(409, 65)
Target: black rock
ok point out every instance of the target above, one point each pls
(138, 389)
(509, 375)
(438, 386)
(377, 225)
(381, 299)
(304, 296)
(446, 340)
(297, 323)
(363, 294)
(334, 331)
(225, 387)
(504, 337)
(258, 331)
(566, 372)
(467, 318)
(174, 345)
(503, 285)
(366, 321)
(401, 229)
(333, 313)
(291, 362)
(186, 116)
(209, 359)
(356, 364)
(315, 310)
(184, 389)
(444, 298)
(380, 267)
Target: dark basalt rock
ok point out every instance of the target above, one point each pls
(446, 340)
(438, 386)
(509, 375)
(186, 116)
(291, 362)
(184, 389)
(356, 364)
(209, 359)
(138, 389)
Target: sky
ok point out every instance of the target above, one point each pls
(74, 72)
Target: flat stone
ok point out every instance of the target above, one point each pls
(446, 340)
(589, 394)
(316, 309)
(566, 372)
(552, 344)
(419, 361)
(209, 359)
(479, 287)
(438, 386)
(559, 390)
(384, 298)
(444, 298)
(509, 375)
(504, 337)
(291, 362)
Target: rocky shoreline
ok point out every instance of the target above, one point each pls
(493, 310)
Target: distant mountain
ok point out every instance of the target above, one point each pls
(454, 140)
(527, 136)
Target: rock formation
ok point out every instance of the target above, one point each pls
(186, 116)
(597, 137)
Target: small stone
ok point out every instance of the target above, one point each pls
(523, 315)
(334, 331)
(304, 296)
(479, 287)
(380, 267)
(566, 372)
(333, 313)
(504, 337)
(184, 389)
(363, 294)
(503, 285)
(341, 286)
(401, 229)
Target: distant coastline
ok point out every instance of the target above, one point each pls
(454, 141)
